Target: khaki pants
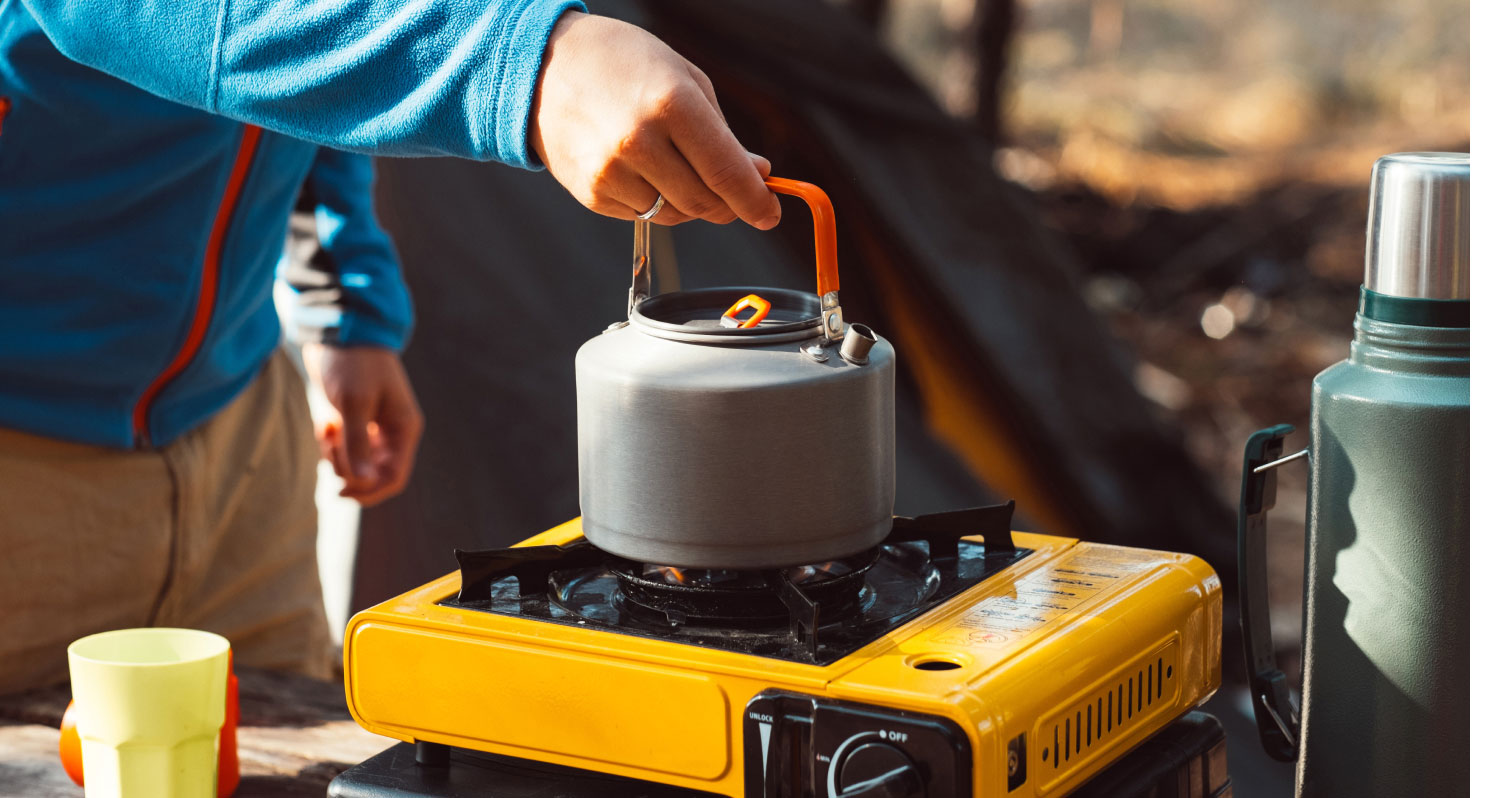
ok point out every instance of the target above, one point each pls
(216, 531)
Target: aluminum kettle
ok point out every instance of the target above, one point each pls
(1385, 653)
(709, 442)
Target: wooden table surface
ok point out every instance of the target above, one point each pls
(295, 736)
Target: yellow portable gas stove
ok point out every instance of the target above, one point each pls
(956, 659)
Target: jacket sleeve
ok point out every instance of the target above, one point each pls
(393, 77)
(345, 276)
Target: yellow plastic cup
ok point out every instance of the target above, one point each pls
(150, 703)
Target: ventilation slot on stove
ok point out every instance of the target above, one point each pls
(1097, 724)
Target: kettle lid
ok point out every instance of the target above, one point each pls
(696, 315)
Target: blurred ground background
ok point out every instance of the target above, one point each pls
(1209, 162)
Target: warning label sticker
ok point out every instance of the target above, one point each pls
(1045, 595)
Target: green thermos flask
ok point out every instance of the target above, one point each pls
(1385, 649)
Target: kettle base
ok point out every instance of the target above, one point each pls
(721, 548)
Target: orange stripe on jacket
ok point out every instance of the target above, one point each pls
(209, 287)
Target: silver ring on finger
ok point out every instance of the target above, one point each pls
(655, 209)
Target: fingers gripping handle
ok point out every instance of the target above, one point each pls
(1278, 723)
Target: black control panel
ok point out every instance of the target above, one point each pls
(800, 746)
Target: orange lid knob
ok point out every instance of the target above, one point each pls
(762, 307)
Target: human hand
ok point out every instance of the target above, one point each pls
(618, 116)
(372, 438)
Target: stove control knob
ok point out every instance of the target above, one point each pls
(878, 770)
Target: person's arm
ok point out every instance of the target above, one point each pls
(618, 118)
(353, 315)
(397, 77)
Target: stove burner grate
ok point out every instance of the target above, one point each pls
(814, 613)
(676, 596)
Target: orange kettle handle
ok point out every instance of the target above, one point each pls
(825, 235)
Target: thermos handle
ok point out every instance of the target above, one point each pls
(1278, 723)
(825, 253)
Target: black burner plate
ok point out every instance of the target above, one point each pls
(922, 565)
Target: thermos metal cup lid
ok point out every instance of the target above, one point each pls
(1417, 246)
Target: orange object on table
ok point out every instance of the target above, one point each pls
(69, 749)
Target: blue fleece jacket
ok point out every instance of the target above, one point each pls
(151, 152)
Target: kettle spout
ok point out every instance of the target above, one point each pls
(858, 339)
